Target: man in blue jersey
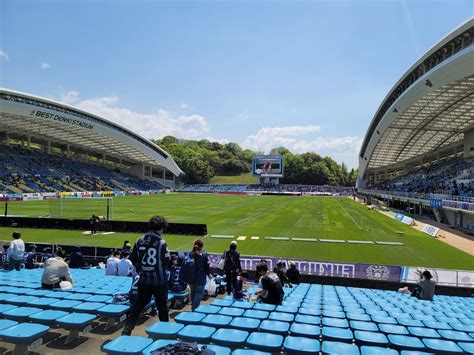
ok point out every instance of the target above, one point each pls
(5, 260)
(30, 259)
(151, 258)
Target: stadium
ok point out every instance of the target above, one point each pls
(412, 209)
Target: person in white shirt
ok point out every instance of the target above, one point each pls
(16, 251)
(112, 264)
(125, 266)
(55, 271)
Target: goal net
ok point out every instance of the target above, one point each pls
(81, 208)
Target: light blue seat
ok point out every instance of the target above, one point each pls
(222, 303)
(287, 309)
(98, 298)
(64, 305)
(207, 309)
(189, 318)
(336, 347)
(127, 344)
(467, 347)
(454, 335)
(462, 327)
(6, 323)
(376, 350)
(421, 332)
(23, 335)
(58, 294)
(47, 317)
(6, 307)
(358, 317)
(424, 317)
(249, 352)
(243, 304)
(332, 314)
(442, 346)
(164, 330)
(21, 300)
(38, 293)
(265, 341)
(76, 320)
(285, 317)
(310, 311)
(300, 345)
(337, 334)
(359, 325)
(264, 307)
(370, 338)
(233, 338)
(42, 302)
(405, 342)
(437, 325)
(113, 313)
(275, 326)
(393, 329)
(78, 296)
(21, 313)
(383, 319)
(335, 322)
(158, 344)
(408, 322)
(306, 330)
(252, 313)
(197, 333)
(88, 307)
(231, 311)
(247, 324)
(216, 320)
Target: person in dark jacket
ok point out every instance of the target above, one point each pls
(271, 291)
(239, 286)
(151, 258)
(175, 282)
(31, 259)
(76, 260)
(231, 266)
(203, 271)
(259, 270)
(293, 274)
(280, 271)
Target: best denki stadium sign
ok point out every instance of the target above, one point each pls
(59, 118)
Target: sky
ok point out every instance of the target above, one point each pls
(307, 75)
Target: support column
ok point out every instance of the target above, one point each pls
(164, 176)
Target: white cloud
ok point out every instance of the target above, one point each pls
(151, 125)
(301, 139)
(45, 66)
(3, 55)
(184, 106)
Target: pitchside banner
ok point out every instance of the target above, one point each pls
(440, 276)
(323, 268)
(404, 219)
(430, 230)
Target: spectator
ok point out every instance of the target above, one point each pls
(270, 287)
(280, 271)
(231, 265)
(239, 286)
(111, 267)
(46, 254)
(30, 259)
(16, 252)
(4, 257)
(76, 260)
(150, 256)
(127, 247)
(109, 255)
(202, 270)
(424, 290)
(55, 271)
(124, 267)
(293, 274)
(175, 282)
(259, 270)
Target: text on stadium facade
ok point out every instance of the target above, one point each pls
(60, 118)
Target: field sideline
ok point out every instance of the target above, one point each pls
(277, 216)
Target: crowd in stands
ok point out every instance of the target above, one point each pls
(28, 170)
(450, 177)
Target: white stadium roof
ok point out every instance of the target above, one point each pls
(428, 109)
(45, 119)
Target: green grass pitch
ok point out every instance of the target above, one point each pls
(277, 216)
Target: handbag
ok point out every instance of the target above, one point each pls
(221, 263)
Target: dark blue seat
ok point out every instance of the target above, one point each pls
(306, 330)
(306, 319)
(197, 333)
(264, 307)
(359, 325)
(231, 311)
(275, 326)
(216, 320)
(127, 344)
(252, 313)
(405, 342)
(265, 341)
(335, 347)
(421, 332)
(247, 324)
(370, 338)
(335, 322)
(454, 335)
(207, 309)
(376, 350)
(300, 345)
(285, 317)
(337, 334)
(21, 313)
(189, 318)
(233, 338)
(393, 329)
(47, 317)
(442, 346)
(164, 330)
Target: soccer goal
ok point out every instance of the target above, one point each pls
(81, 208)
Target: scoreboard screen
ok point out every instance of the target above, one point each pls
(267, 165)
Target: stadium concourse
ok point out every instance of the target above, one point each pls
(311, 319)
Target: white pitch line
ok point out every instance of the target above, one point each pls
(360, 226)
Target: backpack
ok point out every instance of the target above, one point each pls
(187, 273)
(184, 349)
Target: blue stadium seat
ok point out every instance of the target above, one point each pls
(335, 322)
(127, 344)
(247, 324)
(23, 335)
(383, 319)
(21, 300)
(243, 304)
(335, 347)
(337, 334)
(265, 342)
(467, 347)
(287, 309)
(189, 318)
(221, 303)
(113, 313)
(197, 333)
(376, 350)
(218, 350)
(285, 317)
(358, 317)
(437, 325)
(300, 345)
(75, 323)
(454, 335)
(249, 352)
(275, 326)
(21, 313)
(98, 298)
(462, 327)
(78, 296)
(216, 320)
(207, 309)
(88, 307)
(405, 342)
(307, 330)
(370, 338)
(264, 307)
(331, 314)
(58, 294)
(64, 305)
(47, 317)
(233, 338)
(164, 330)
(310, 311)
(442, 346)
(252, 313)
(359, 325)
(6, 323)
(415, 352)
(423, 332)
(231, 311)
(408, 322)
(6, 307)
(393, 329)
